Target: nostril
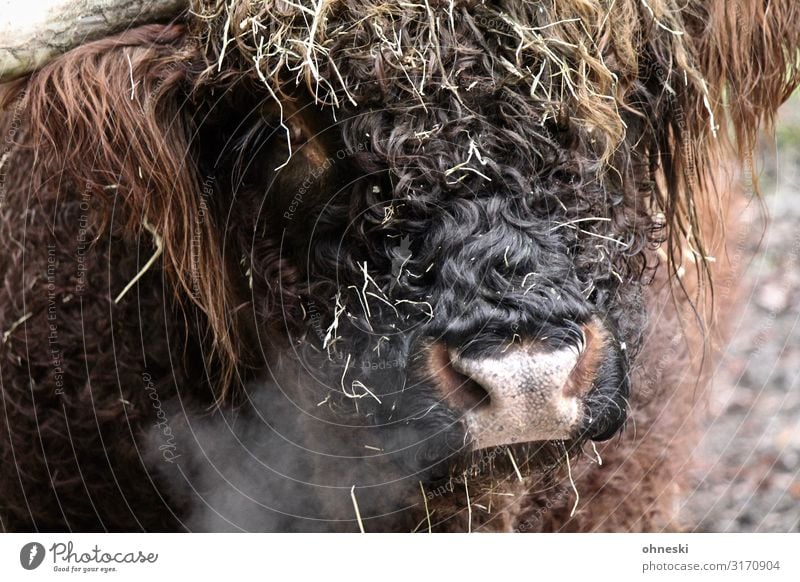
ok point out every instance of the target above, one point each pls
(459, 391)
(533, 391)
(468, 394)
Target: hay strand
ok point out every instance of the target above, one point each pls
(357, 510)
(159, 242)
(427, 510)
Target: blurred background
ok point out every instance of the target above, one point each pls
(748, 478)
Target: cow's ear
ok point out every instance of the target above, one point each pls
(112, 119)
(750, 50)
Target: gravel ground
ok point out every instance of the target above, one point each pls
(749, 477)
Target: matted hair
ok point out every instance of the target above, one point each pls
(699, 77)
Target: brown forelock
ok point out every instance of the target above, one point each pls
(107, 118)
(712, 70)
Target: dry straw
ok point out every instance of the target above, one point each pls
(583, 59)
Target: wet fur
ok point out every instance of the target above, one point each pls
(224, 312)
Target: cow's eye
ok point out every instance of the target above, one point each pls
(297, 136)
(291, 130)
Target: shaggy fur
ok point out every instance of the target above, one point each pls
(231, 241)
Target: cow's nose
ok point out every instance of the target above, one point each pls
(528, 392)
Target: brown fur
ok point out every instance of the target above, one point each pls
(130, 146)
(86, 131)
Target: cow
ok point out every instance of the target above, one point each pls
(342, 265)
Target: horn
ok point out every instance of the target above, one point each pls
(34, 32)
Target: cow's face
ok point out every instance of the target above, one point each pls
(444, 247)
(454, 279)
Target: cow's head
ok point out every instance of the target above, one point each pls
(424, 229)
